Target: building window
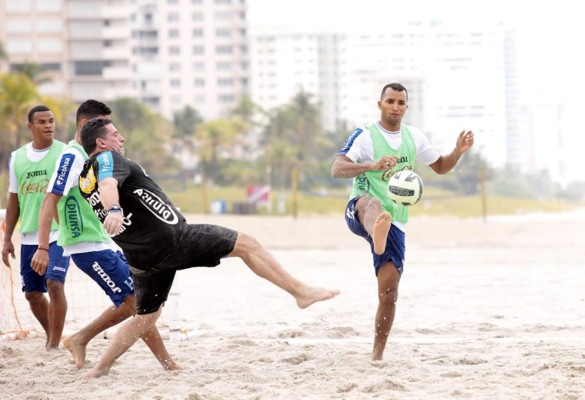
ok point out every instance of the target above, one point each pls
(225, 98)
(173, 17)
(223, 49)
(223, 66)
(225, 82)
(88, 67)
(197, 32)
(175, 83)
(174, 67)
(173, 33)
(197, 16)
(198, 66)
(223, 32)
(199, 82)
(175, 50)
(198, 49)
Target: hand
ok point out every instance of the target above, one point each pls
(40, 261)
(464, 142)
(113, 223)
(386, 163)
(7, 249)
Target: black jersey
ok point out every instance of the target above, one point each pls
(152, 224)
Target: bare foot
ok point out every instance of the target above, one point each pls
(381, 229)
(96, 372)
(77, 350)
(312, 295)
(171, 365)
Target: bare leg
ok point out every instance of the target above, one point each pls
(381, 229)
(125, 337)
(263, 264)
(77, 343)
(155, 344)
(57, 313)
(375, 220)
(388, 279)
(39, 305)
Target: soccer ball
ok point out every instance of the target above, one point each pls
(405, 188)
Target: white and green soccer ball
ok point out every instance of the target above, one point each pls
(405, 188)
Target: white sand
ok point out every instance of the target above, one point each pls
(486, 311)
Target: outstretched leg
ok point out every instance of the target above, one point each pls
(388, 279)
(263, 264)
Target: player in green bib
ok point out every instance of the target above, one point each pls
(370, 155)
(31, 166)
(84, 238)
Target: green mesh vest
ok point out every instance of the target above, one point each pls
(371, 182)
(77, 222)
(33, 179)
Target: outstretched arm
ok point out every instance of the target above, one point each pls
(446, 163)
(344, 167)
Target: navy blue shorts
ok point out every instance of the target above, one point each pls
(110, 270)
(56, 270)
(395, 243)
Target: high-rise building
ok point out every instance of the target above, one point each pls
(456, 78)
(168, 54)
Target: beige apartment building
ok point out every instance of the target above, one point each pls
(166, 53)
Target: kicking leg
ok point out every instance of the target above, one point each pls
(376, 220)
(263, 264)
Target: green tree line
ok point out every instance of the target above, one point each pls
(247, 146)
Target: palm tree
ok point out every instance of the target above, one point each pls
(35, 72)
(17, 95)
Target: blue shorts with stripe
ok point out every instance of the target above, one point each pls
(56, 270)
(110, 270)
(395, 243)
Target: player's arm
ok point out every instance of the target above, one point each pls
(47, 213)
(12, 214)
(344, 167)
(109, 197)
(446, 163)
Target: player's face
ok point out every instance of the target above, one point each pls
(112, 141)
(393, 106)
(42, 126)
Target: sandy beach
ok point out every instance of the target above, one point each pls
(486, 310)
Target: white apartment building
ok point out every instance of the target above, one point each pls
(456, 78)
(167, 53)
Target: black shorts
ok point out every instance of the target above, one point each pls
(201, 245)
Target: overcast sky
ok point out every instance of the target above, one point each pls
(549, 32)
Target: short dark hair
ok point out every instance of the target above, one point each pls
(92, 109)
(95, 128)
(394, 86)
(36, 109)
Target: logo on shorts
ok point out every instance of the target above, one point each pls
(106, 278)
(157, 206)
